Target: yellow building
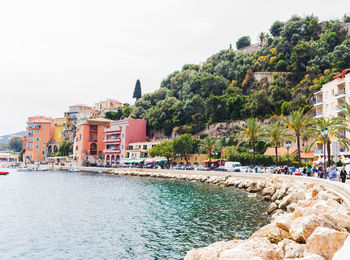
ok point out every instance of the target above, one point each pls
(60, 124)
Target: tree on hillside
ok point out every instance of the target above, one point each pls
(183, 146)
(137, 90)
(16, 144)
(114, 115)
(277, 134)
(298, 123)
(164, 149)
(253, 132)
(276, 28)
(243, 42)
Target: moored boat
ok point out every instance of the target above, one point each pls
(4, 173)
(24, 170)
(74, 170)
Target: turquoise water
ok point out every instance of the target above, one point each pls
(60, 215)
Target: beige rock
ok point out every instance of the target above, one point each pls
(269, 190)
(273, 233)
(292, 249)
(256, 248)
(312, 257)
(344, 251)
(283, 221)
(291, 207)
(301, 228)
(210, 252)
(272, 207)
(325, 242)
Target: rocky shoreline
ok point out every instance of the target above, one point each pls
(309, 219)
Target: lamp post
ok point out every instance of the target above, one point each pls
(324, 133)
(288, 143)
(251, 156)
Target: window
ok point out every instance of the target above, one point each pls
(37, 147)
(122, 135)
(37, 139)
(42, 152)
(130, 147)
(76, 148)
(38, 131)
(122, 147)
(144, 147)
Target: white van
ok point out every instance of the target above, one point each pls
(233, 166)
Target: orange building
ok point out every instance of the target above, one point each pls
(88, 142)
(39, 132)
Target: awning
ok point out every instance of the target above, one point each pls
(162, 160)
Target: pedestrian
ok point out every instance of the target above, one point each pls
(308, 171)
(304, 171)
(333, 174)
(343, 174)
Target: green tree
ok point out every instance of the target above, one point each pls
(137, 90)
(65, 148)
(276, 28)
(183, 146)
(208, 145)
(276, 133)
(334, 126)
(299, 124)
(16, 144)
(253, 132)
(243, 42)
(164, 149)
(114, 115)
(127, 110)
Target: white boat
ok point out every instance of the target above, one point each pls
(74, 170)
(24, 170)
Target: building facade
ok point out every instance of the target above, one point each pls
(60, 125)
(108, 105)
(73, 112)
(88, 143)
(40, 131)
(328, 103)
(140, 150)
(118, 137)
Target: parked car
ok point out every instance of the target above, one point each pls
(148, 166)
(202, 168)
(189, 168)
(221, 169)
(233, 166)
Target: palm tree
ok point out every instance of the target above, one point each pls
(277, 134)
(299, 123)
(333, 125)
(230, 151)
(208, 145)
(253, 132)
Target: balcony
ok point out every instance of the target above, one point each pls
(111, 151)
(112, 140)
(340, 93)
(112, 129)
(318, 114)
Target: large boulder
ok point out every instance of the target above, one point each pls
(210, 252)
(268, 190)
(326, 242)
(273, 233)
(283, 221)
(272, 207)
(301, 228)
(292, 249)
(255, 248)
(344, 252)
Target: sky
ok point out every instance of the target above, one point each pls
(58, 53)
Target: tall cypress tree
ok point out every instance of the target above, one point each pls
(137, 90)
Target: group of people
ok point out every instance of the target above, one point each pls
(328, 173)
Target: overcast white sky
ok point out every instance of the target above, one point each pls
(57, 53)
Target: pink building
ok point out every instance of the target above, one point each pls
(119, 135)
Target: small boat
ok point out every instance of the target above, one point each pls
(4, 173)
(74, 170)
(42, 170)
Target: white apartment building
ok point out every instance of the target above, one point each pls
(328, 102)
(140, 150)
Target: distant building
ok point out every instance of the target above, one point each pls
(73, 112)
(9, 157)
(40, 130)
(108, 105)
(88, 142)
(328, 103)
(140, 150)
(282, 151)
(118, 137)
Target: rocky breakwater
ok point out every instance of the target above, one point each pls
(308, 222)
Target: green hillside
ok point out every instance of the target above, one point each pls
(302, 54)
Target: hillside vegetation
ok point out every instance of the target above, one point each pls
(223, 88)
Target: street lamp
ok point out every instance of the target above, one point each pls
(324, 133)
(288, 143)
(251, 155)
